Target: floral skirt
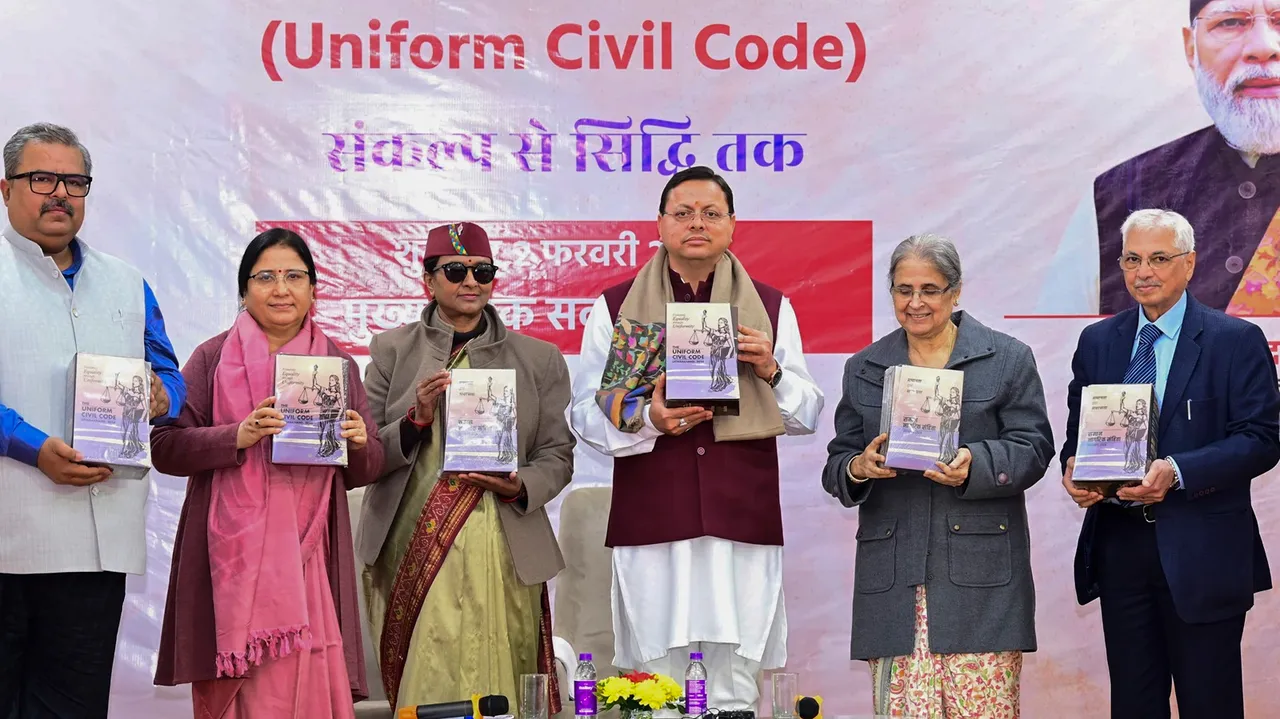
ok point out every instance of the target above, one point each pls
(932, 686)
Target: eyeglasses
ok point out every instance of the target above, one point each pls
(709, 216)
(1157, 262)
(292, 278)
(928, 294)
(1231, 26)
(45, 183)
(456, 272)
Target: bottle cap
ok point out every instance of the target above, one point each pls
(695, 656)
(584, 657)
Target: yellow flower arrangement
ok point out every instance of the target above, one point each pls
(638, 691)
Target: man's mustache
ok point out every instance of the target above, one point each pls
(1241, 76)
(57, 203)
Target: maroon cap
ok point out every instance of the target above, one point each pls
(462, 238)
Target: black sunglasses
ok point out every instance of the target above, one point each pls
(456, 272)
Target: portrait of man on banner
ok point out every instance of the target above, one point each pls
(1223, 178)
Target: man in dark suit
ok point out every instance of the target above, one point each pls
(1176, 561)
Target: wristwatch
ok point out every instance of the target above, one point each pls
(777, 376)
(1177, 477)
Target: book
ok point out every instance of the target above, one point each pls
(702, 356)
(480, 422)
(1117, 436)
(111, 412)
(921, 414)
(311, 392)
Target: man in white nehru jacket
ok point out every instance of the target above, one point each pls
(69, 532)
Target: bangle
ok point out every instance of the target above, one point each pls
(512, 500)
(412, 420)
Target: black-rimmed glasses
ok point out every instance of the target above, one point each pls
(45, 183)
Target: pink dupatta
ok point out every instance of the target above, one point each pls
(265, 520)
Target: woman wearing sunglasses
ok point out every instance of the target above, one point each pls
(458, 563)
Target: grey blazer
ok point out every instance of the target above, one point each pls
(400, 358)
(968, 545)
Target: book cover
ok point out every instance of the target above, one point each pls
(111, 412)
(312, 394)
(1117, 435)
(921, 413)
(480, 421)
(702, 356)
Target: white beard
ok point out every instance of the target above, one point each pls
(1250, 124)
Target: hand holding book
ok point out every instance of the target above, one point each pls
(673, 420)
(159, 397)
(507, 487)
(756, 350)
(62, 464)
(954, 474)
(1082, 496)
(428, 394)
(870, 464)
(1154, 486)
(263, 421)
(354, 430)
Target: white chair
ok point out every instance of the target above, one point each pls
(582, 615)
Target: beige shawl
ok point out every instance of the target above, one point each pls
(758, 415)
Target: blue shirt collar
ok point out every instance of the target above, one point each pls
(1170, 323)
(77, 260)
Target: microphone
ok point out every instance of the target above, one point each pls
(490, 706)
(809, 707)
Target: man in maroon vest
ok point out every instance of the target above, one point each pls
(696, 522)
(1225, 179)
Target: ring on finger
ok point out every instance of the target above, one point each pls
(256, 423)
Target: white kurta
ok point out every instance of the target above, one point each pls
(705, 589)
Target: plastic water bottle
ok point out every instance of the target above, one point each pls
(584, 687)
(695, 686)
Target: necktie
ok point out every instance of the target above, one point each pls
(1142, 370)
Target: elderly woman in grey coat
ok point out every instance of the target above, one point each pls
(943, 603)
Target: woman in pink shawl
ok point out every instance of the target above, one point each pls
(261, 617)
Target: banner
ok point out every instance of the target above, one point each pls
(371, 275)
(1023, 131)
